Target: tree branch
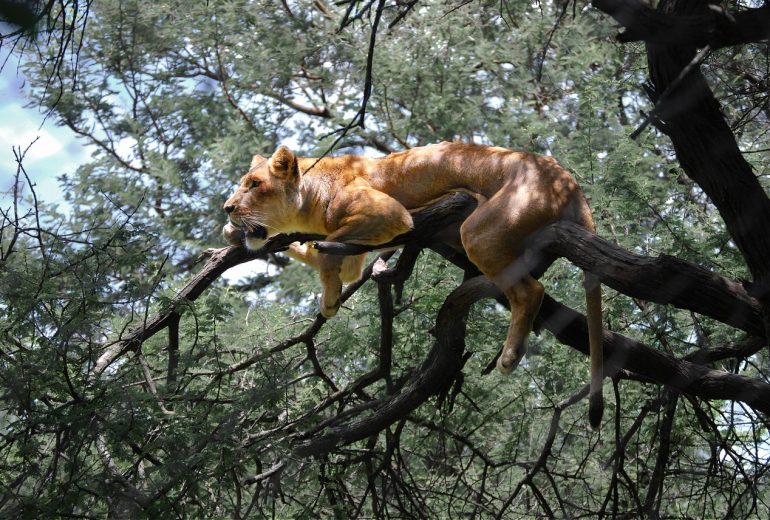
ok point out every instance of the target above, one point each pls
(442, 365)
(665, 279)
(709, 26)
(322, 112)
(621, 352)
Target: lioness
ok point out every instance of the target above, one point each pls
(366, 201)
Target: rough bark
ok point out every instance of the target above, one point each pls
(698, 28)
(664, 280)
(623, 353)
(709, 154)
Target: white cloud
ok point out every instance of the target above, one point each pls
(39, 144)
(50, 150)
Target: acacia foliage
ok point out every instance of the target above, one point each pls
(174, 98)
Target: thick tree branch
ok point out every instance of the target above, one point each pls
(708, 152)
(621, 352)
(707, 26)
(439, 369)
(665, 279)
(691, 117)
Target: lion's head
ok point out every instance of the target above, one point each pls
(265, 199)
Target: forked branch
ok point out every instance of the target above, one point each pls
(664, 280)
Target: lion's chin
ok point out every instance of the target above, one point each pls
(255, 237)
(252, 244)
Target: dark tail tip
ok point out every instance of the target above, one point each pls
(595, 410)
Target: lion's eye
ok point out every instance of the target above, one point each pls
(254, 184)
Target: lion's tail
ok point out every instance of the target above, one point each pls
(593, 290)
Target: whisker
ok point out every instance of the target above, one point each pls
(252, 218)
(254, 213)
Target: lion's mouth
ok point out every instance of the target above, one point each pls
(258, 232)
(255, 231)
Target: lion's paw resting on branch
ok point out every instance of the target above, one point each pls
(367, 201)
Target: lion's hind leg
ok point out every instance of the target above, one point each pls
(493, 237)
(524, 295)
(524, 299)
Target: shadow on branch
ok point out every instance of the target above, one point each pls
(665, 280)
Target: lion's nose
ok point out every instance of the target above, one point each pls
(230, 208)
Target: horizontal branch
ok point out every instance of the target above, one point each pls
(453, 208)
(664, 279)
(621, 352)
(711, 27)
(322, 112)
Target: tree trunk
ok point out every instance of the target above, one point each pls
(708, 152)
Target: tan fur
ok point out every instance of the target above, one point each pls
(367, 201)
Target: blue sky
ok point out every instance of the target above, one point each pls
(56, 150)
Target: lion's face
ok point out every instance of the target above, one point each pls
(266, 197)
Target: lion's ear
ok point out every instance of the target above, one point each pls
(256, 161)
(283, 163)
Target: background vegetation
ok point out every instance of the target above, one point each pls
(207, 417)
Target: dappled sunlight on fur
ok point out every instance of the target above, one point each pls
(366, 201)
